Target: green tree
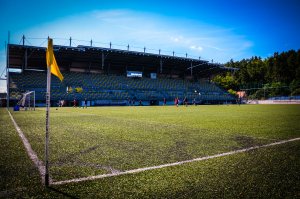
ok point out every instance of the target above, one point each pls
(279, 74)
(228, 81)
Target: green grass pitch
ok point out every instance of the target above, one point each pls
(101, 140)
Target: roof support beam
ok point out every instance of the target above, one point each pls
(102, 60)
(161, 65)
(25, 59)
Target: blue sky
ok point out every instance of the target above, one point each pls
(211, 29)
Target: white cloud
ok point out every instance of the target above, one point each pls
(197, 48)
(175, 39)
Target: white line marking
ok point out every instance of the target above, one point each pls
(171, 164)
(32, 155)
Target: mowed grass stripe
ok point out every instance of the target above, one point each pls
(126, 138)
(271, 172)
(173, 164)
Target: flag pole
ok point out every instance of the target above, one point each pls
(53, 68)
(47, 126)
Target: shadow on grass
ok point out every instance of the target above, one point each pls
(74, 155)
(62, 193)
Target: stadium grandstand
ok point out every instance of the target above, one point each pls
(107, 76)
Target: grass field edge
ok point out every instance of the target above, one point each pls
(30, 152)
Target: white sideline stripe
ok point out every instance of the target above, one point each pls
(171, 164)
(32, 155)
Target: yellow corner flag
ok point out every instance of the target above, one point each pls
(51, 62)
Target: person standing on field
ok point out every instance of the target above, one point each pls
(85, 103)
(74, 103)
(194, 101)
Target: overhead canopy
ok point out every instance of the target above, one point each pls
(111, 61)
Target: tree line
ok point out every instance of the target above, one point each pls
(278, 75)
